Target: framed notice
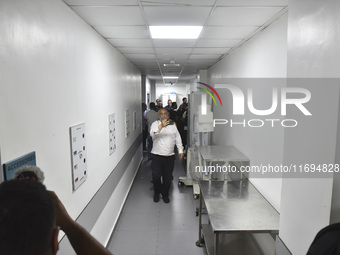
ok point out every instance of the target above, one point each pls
(127, 123)
(13, 165)
(134, 121)
(112, 133)
(79, 159)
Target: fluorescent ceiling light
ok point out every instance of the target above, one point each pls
(171, 65)
(175, 32)
(170, 77)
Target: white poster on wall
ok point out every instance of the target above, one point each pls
(134, 121)
(78, 149)
(127, 124)
(112, 133)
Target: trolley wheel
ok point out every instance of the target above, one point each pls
(200, 242)
(196, 196)
(180, 184)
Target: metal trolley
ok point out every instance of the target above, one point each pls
(234, 208)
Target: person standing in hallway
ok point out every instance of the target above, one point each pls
(165, 137)
(173, 112)
(151, 116)
(184, 122)
(158, 105)
(184, 101)
(169, 106)
(145, 126)
(180, 120)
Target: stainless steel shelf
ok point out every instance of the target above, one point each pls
(221, 153)
(238, 206)
(234, 208)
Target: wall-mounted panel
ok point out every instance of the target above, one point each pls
(127, 123)
(112, 133)
(79, 158)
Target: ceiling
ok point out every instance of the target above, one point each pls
(227, 24)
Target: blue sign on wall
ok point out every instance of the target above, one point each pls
(11, 166)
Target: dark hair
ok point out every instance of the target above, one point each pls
(327, 241)
(152, 105)
(144, 106)
(27, 218)
(174, 105)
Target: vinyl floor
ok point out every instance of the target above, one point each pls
(149, 228)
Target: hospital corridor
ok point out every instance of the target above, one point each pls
(169, 127)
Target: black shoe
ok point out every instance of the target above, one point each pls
(156, 198)
(166, 199)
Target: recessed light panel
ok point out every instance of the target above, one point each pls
(175, 32)
(170, 77)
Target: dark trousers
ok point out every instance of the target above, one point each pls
(150, 144)
(162, 168)
(145, 137)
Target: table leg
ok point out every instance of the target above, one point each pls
(200, 238)
(216, 244)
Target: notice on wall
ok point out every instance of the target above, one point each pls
(127, 123)
(134, 121)
(13, 165)
(112, 133)
(78, 149)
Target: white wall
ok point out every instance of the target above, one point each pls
(306, 204)
(261, 64)
(56, 72)
(313, 43)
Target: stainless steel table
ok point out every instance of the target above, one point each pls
(233, 206)
(221, 153)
